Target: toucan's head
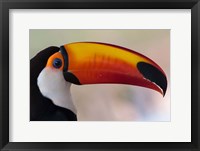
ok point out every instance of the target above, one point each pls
(94, 63)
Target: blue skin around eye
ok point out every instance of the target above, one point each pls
(57, 63)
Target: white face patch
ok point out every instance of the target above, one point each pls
(53, 86)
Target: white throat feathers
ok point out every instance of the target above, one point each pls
(52, 85)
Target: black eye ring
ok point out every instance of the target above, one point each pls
(57, 63)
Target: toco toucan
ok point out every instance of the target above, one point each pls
(53, 70)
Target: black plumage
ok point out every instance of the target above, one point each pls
(42, 108)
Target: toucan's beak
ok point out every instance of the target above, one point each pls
(94, 63)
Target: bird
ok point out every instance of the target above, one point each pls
(54, 69)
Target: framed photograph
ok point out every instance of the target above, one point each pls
(99, 75)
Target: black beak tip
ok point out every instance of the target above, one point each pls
(165, 89)
(153, 74)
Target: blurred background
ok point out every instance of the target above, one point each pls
(115, 102)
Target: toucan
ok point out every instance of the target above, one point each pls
(54, 69)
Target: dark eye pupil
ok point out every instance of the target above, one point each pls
(57, 63)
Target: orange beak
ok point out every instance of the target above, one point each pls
(95, 63)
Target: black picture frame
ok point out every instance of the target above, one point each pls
(5, 5)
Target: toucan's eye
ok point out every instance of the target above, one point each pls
(57, 63)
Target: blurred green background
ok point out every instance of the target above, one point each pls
(115, 102)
